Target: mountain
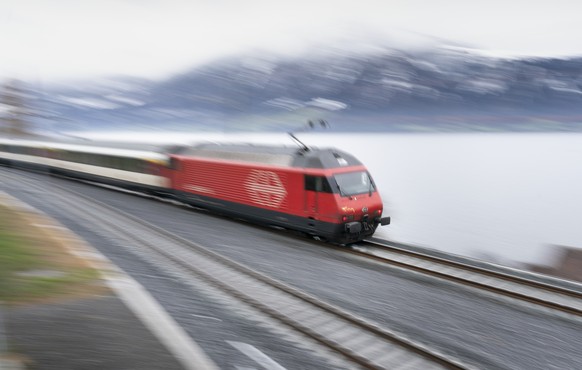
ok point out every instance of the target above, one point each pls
(380, 89)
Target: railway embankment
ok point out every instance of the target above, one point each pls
(56, 309)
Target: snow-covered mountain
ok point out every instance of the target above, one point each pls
(375, 89)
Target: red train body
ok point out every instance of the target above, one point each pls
(325, 193)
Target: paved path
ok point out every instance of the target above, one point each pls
(123, 328)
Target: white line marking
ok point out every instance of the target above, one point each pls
(48, 226)
(162, 325)
(258, 356)
(206, 317)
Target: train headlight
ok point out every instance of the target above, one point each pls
(346, 218)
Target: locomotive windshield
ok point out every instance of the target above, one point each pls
(352, 183)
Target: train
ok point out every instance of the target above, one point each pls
(325, 193)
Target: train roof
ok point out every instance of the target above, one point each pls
(319, 158)
(115, 149)
(273, 155)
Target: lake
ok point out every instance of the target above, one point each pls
(502, 196)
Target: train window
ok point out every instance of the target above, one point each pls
(124, 164)
(129, 164)
(317, 183)
(326, 185)
(175, 164)
(117, 163)
(310, 183)
(352, 183)
(95, 158)
(98, 159)
(134, 164)
(110, 161)
(139, 167)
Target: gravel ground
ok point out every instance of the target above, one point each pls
(91, 334)
(490, 332)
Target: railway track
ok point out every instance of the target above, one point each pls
(547, 292)
(363, 343)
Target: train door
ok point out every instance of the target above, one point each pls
(312, 188)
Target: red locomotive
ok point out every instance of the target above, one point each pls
(322, 192)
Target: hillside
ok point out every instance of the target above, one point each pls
(384, 89)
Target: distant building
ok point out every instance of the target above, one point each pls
(567, 265)
(14, 114)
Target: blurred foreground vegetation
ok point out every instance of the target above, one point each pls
(34, 269)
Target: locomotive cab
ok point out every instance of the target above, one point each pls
(359, 204)
(341, 198)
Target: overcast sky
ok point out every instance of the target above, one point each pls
(63, 39)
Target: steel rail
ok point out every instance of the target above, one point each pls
(518, 287)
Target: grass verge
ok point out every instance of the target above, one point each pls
(34, 267)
